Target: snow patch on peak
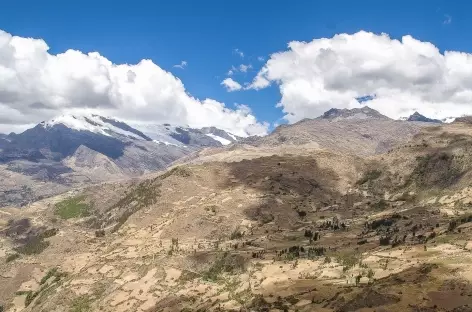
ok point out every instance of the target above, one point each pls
(74, 122)
(232, 136)
(91, 123)
(449, 119)
(165, 142)
(219, 139)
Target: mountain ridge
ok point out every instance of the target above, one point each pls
(419, 117)
(76, 149)
(364, 112)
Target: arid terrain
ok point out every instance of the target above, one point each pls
(298, 224)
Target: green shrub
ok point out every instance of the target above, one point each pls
(12, 257)
(73, 208)
(99, 233)
(177, 171)
(348, 259)
(226, 263)
(49, 233)
(50, 273)
(81, 304)
(30, 297)
(236, 234)
(35, 245)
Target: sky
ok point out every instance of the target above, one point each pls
(243, 66)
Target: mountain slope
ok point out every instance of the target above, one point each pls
(320, 231)
(358, 131)
(78, 149)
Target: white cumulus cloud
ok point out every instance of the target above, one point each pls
(36, 85)
(404, 75)
(231, 85)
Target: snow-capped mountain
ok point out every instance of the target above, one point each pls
(95, 124)
(75, 148)
(159, 133)
(183, 136)
(62, 136)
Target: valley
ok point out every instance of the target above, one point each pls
(354, 212)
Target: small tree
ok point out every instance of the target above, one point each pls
(370, 275)
(358, 279)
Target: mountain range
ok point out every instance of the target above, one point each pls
(74, 150)
(71, 150)
(352, 211)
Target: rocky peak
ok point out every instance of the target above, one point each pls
(418, 117)
(355, 113)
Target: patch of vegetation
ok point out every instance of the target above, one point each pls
(384, 222)
(368, 298)
(259, 304)
(455, 223)
(225, 263)
(211, 208)
(48, 275)
(12, 257)
(439, 169)
(301, 213)
(54, 272)
(99, 289)
(370, 175)
(45, 287)
(33, 246)
(236, 234)
(143, 195)
(348, 259)
(49, 233)
(384, 240)
(99, 233)
(81, 304)
(73, 207)
(187, 276)
(314, 252)
(380, 205)
(177, 171)
(30, 295)
(370, 274)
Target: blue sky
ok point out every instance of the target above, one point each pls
(206, 33)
